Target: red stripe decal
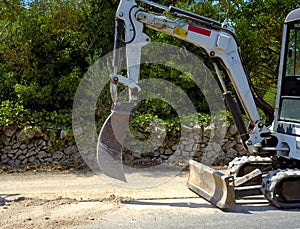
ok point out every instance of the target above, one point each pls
(199, 30)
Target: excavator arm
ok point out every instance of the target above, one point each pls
(218, 40)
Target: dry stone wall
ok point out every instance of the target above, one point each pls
(198, 143)
(30, 146)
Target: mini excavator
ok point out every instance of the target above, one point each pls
(273, 165)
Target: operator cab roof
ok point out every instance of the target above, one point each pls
(293, 16)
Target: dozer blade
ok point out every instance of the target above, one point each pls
(110, 142)
(212, 185)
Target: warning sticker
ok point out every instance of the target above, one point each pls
(180, 31)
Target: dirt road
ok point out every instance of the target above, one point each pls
(61, 200)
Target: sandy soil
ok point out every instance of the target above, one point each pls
(62, 200)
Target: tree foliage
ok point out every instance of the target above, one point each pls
(47, 46)
(259, 26)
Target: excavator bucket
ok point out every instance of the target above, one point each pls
(212, 185)
(111, 141)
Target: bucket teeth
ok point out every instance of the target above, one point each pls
(212, 185)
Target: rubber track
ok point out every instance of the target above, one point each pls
(270, 182)
(235, 165)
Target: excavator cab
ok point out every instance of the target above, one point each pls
(288, 95)
(287, 119)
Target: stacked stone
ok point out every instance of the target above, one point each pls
(202, 145)
(31, 147)
(198, 143)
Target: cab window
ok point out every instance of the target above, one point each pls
(293, 52)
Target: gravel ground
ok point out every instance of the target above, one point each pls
(65, 200)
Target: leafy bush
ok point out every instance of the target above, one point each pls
(14, 115)
(47, 47)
